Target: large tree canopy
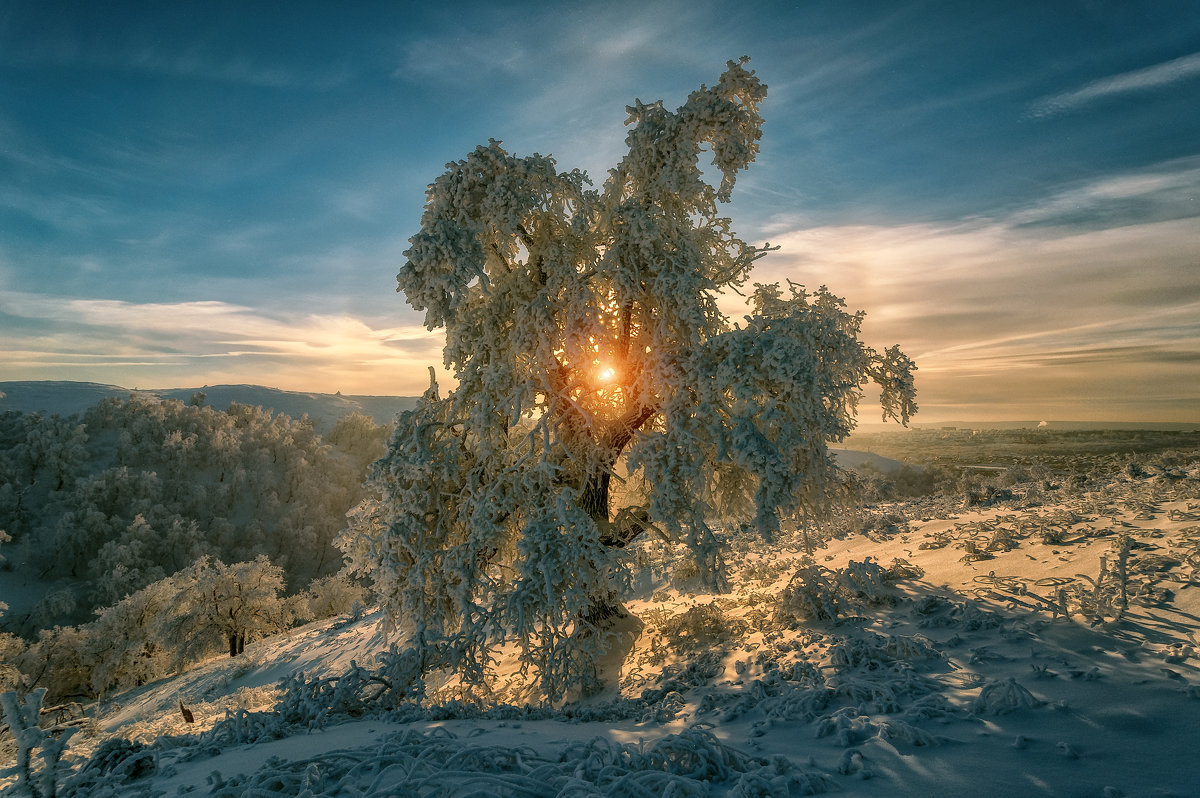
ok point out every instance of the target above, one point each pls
(584, 331)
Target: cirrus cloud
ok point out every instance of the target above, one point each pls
(1015, 319)
(1152, 77)
(130, 343)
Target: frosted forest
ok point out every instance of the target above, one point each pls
(637, 549)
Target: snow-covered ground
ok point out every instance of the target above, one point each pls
(951, 673)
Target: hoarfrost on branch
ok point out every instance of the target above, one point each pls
(601, 392)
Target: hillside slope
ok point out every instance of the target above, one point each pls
(993, 656)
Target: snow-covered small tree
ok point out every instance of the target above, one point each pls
(129, 642)
(232, 603)
(359, 436)
(58, 660)
(584, 332)
(11, 646)
(331, 595)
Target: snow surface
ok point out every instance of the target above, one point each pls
(962, 683)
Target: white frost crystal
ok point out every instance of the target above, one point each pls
(584, 332)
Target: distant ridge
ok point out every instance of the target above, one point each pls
(69, 398)
(1064, 426)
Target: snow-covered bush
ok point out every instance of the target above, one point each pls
(24, 722)
(333, 595)
(110, 770)
(703, 626)
(883, 525)
(816, 593)
(584, 332)
(1002, 697)
(811, 595)
(396, 678)
(438, 763)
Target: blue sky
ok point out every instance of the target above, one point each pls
(222, 192)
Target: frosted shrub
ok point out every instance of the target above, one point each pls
(906, 732)
(1121, 579)
(883, 525)
(876, 651)
(865, 582)
(333, 595)
(764, 572)
(812, 594)
(696, 754)
(114, 764)
(780, 780)
(438, 763)
(397, 678)
(999, 698)
(816, 593)
(24, 722)
(701, 627)
(313, 701)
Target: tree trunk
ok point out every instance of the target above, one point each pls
(604, 612)
(233, 649)
(594, 499)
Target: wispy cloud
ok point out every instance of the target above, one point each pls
(133, 52)
(1053, 313)
(1152, 77)
(1168, 190)
(139, 343)
(566, 77)
(200, 64)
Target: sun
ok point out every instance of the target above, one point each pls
(606, 374)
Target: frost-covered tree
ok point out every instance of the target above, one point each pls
(59, 660)
(584, 332)
(332, 595)
(130, 643)
(137, 489)
(11, 646)
(358, 435)
(228, 602)
(24, 722)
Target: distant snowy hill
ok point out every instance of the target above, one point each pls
(66, 398)
(851, 458)
(1055, 426)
